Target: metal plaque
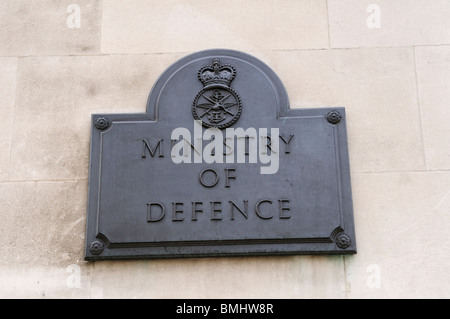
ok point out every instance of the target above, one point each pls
(219, 165)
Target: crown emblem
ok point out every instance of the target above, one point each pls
(216, 74)
(217, 104)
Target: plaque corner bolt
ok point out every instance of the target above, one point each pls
(102, 123)
(96, 247)
(343, 241)
(334, 117)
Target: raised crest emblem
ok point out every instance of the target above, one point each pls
(217, 104)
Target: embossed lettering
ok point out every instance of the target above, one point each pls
(146, 146)
(267, 144)
(246, 144)
(177, 211)
(149, 212)
(258, 212)
(235, 145)
(228, 176)
(216, 209)
(244, 212)
(286, 142)
(229, 147)
(264, 209)
(284, 208)
(196, 210)
(209, 184)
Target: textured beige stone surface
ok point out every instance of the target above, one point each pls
(148, 26)
(56, 97)
(37, 282)
(8, 68)
(402, 221)
(433, 77)
(268, 277)
(393, 81)
(45, 225)
(41, 27)
(378, 89)
(45, 219)
(402, 23)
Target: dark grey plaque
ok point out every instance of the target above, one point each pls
(219, 165)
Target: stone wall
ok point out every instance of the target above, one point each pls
(387, 62)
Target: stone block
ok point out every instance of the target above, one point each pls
(56, 97)
(50, 27)
(152, 26)
(386, 23)
(43, 250)
(378, 89)
(433, 78)
(248, 278)
(401, 221)
(7, 100)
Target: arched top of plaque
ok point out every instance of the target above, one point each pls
(219, 87)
